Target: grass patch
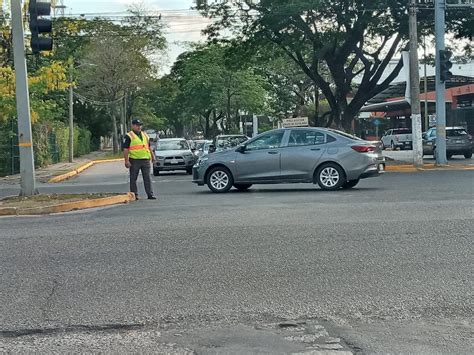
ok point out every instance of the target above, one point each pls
(48, 200)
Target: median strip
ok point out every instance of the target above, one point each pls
(406, 168)
(47, 204)
(80, 169)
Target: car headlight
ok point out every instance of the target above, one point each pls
(159, 157)
(202, 161)
(429, 143)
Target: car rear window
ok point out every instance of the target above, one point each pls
(346, 135)
(456, 132)
(402, 131)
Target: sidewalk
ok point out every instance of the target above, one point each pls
(44, 174)
(405, 157)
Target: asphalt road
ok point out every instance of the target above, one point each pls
(386, 267)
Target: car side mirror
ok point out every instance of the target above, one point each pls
(212, 148)
(240, 149)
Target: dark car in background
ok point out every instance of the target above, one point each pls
(173, 154)
(227, 141)
(458, 142)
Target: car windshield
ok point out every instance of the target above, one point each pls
(456, 132)
(199, 145)
(402, 131)
(172, 145)
(346, 135)
(230, 142)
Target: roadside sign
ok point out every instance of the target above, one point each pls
(376, 122)
(296, 122)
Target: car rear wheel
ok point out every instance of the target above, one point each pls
(219, 180)
(468, 155)
(392, 146)
(242, 187)
(156, 172)
(449, 156)
(189, 171)
(350, 184)
(330, 176)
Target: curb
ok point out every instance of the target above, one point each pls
(68, 206)
(79, 170)
(427, 167)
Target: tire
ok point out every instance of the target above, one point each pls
(156, 172)
(350, 184)
(449, 156)
(383, 145)
(434, 152)
(219, 179)
(242, 187)
(189, 171)
(330, 177)
(392, 146)
(468, 155)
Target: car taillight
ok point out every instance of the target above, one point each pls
(364, 148)
(469, 137)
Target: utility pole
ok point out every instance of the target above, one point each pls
(440, 28)
(415, 88)
(27, 164)
(427, 121)
(71, 112)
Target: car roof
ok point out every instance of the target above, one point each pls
(172, 139)
(453, 127)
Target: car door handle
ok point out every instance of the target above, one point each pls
(273, 152)
(315, 148)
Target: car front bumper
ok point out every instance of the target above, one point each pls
(166, 165)
(199, 175)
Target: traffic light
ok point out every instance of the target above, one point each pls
(39, 26)
(445, 64)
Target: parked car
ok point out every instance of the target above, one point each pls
(327, 157)
(173, 154)
(201, 147)
(397, 138)
(458, 142)
(224, 142)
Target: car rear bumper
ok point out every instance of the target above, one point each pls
(373, 170)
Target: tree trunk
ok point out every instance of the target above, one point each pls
(316, 106)
(115, 141)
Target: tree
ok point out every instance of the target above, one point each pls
(215, 91)
(347, 38)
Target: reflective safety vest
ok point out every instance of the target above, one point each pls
(139, 149)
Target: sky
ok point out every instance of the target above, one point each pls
(183, 25)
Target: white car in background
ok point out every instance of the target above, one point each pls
(397, 138)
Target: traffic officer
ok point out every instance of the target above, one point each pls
(137, 153)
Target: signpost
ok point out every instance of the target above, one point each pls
(295, 122)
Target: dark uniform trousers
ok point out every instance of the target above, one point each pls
(144, 166)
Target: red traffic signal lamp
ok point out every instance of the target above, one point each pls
(40, 26)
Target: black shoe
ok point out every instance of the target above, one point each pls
(151, 197)
(136, 197)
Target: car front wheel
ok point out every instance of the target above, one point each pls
(156, 172)
(330, 176)
(468, 155)
(219, 180)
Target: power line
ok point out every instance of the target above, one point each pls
(95, 102)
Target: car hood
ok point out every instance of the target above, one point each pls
(169, 153)
(221, 155)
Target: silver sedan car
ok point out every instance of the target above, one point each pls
(330, 158)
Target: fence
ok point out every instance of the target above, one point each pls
(50, 145)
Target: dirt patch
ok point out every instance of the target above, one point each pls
(48, 200)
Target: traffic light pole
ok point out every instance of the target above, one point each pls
(27, 165)
(441, 159)
(71, 112)
(415, 89)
